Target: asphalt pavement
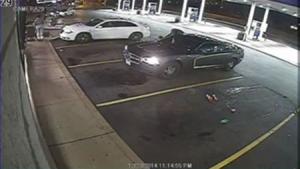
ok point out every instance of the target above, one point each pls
(170, 121)
(177, 124)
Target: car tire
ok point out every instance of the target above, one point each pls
(170, 70)
(136, 36)
(83, 38)
(230, 65)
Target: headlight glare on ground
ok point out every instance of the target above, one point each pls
(151, 60)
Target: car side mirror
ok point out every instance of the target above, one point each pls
(160, 37)
(99, 26)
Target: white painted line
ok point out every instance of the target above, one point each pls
(95, 63)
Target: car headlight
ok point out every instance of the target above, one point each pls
(151, 60)
(68, 31)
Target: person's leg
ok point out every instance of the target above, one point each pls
(42, 32)
(37, 32)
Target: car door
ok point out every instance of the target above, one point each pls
(105, 30)
(225, 54)
(128, 28)
(210, 55)
(206, 56)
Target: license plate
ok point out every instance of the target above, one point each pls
(128, 62)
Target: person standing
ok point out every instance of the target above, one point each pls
(39, 27)
(256, 33)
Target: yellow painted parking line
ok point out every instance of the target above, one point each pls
(95, 63)
(252, 145)
(166, 91)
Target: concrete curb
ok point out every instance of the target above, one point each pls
(35, 118)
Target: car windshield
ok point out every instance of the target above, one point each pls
(182, 41)
(93, 22)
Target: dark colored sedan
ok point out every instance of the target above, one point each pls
(171, 54)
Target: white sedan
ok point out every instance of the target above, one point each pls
(105, 29)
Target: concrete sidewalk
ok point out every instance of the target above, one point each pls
(76, 133)
(269, 47)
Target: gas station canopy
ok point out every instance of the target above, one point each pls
(277, 6)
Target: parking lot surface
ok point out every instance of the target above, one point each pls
(171, 120)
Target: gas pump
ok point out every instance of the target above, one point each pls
(257, 30)
(263, 30)
(152, 8)
(192, 14)
(126, 5)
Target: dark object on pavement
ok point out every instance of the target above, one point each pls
(168, 56)
(241, 36)
(177, 19)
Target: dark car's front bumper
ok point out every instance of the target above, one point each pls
(134, 61)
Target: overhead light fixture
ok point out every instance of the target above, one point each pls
(261, 6)
(295, 14)
(283, 9)
(245, 0)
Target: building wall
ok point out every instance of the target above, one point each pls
(22, 144)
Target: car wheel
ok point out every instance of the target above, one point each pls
(83, 38)
(230, 65)
(171, 70)
(136, 36)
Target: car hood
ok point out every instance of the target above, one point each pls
(77, 27)
(155, 48)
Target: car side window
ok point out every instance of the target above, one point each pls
(127, 24)
(117, 24)
(207, 49)
(93, 22)
(224, 49)
(109, 24)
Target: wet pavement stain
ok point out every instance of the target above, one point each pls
(146, 138)
(113, 77)
(204, 134)
(122, 95)
(172, 135)
(73, 61)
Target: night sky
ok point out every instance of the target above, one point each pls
(289, 2)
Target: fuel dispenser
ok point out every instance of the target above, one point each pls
(193, 14)
(152, 8)
(126, 5)
(257, 30)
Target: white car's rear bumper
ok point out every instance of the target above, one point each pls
(146, 33)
